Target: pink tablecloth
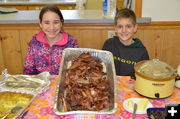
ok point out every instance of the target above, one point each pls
(42, 106)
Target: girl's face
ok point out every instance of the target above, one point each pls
(51, 25)
(125, 29)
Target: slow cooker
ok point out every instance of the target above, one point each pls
(154, 78)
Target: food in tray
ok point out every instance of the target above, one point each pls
(9, 100)
(86, 85)
(23, 83)
(16, 82)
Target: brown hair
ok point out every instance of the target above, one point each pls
(51, 8)
(125, 13)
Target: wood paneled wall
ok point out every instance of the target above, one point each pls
(162, 40)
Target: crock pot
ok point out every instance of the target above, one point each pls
(154, 78)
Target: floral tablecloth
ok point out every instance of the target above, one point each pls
(42, 106)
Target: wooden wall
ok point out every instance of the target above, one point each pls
(160, 38)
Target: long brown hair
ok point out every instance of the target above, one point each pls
(51, 8)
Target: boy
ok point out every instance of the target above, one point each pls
(126, 50)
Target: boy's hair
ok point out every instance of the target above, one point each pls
(125, 13)
(51, 8)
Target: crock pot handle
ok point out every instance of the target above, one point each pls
(177, 78)
(133, 76)
(178, 73)
(178, 70)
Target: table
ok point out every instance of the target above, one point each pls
(42, 106)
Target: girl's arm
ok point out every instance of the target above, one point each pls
(29, 66)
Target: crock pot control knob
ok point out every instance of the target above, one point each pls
(157, 95)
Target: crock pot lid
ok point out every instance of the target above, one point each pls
(155, 69)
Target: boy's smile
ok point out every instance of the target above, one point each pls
(125, 30)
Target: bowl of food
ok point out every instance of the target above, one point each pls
(154, 78)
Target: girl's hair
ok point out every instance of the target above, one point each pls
(51, 8)
(125, 13)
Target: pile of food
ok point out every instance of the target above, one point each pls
(9, 100)
(86, 85)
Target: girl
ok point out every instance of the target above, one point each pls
(45, 49)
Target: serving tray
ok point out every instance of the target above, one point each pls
(70, 54)
(19, 90)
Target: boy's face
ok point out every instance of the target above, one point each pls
(125, 29)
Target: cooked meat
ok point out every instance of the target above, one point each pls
(86, 85)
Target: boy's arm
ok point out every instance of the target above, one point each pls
(145, 55)
(106, 46)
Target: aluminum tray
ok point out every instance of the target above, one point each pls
(24, 107)
(43, 77)
(69, 54)
(25, 83)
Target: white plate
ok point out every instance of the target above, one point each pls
(136, 100)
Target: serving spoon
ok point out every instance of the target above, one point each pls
(134, 111)
(13, 110)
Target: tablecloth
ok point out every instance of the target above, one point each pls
(43, 104)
